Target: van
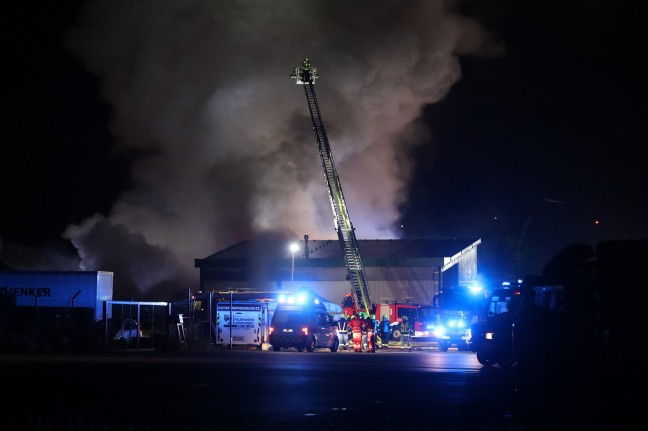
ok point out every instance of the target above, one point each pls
(300, 327)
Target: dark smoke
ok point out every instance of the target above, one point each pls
(203, 89)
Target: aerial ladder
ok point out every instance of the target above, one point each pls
(305, 75)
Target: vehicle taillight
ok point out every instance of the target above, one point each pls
(305, 331)
(271, 330)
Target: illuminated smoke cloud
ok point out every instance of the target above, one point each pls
(202, 90)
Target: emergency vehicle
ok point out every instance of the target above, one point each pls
(302, 321)
(243, 323)
(455, 310)
(305, 75)
(395, 313)
(491, 336)
(358, 300)
(246, 321)
(243, 318)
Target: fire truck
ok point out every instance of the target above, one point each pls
(447, 313)
(395, 312)
(358, 300)
(305, 75)
(446, 322)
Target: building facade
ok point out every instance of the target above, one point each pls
(410, 271)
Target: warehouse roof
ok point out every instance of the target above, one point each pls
(330, 249)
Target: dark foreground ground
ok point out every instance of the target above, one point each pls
(264, 390)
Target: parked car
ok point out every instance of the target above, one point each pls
(128, 330)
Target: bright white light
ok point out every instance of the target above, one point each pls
(293, 247)
(476, 288)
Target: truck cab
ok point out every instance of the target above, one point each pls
(491, 336)
(446, 322)
(436, 328)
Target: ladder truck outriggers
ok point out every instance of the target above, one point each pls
(305, 75)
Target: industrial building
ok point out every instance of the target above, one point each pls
(397, 270)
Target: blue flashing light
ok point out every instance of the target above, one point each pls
(476, 288)
(299, 298)
(456, 323)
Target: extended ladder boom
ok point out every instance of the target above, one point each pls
(305, 75)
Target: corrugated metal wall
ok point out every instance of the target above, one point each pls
(468, 267)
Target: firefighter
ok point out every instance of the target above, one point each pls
(385, 329)
(349, 330)
(371, 331)
(356, 329)
(342, 322)
(363, 326)
(348, 301)
(307, 70)
(343, 331)
(405, 333)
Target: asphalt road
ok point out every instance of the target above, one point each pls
(254, 390)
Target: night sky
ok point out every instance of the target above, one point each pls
(139, 136)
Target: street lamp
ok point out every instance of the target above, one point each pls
(293, 249)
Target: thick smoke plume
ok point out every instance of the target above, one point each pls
(202, 90)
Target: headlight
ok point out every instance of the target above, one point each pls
(456, 323)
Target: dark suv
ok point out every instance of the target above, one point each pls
(303, 328)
